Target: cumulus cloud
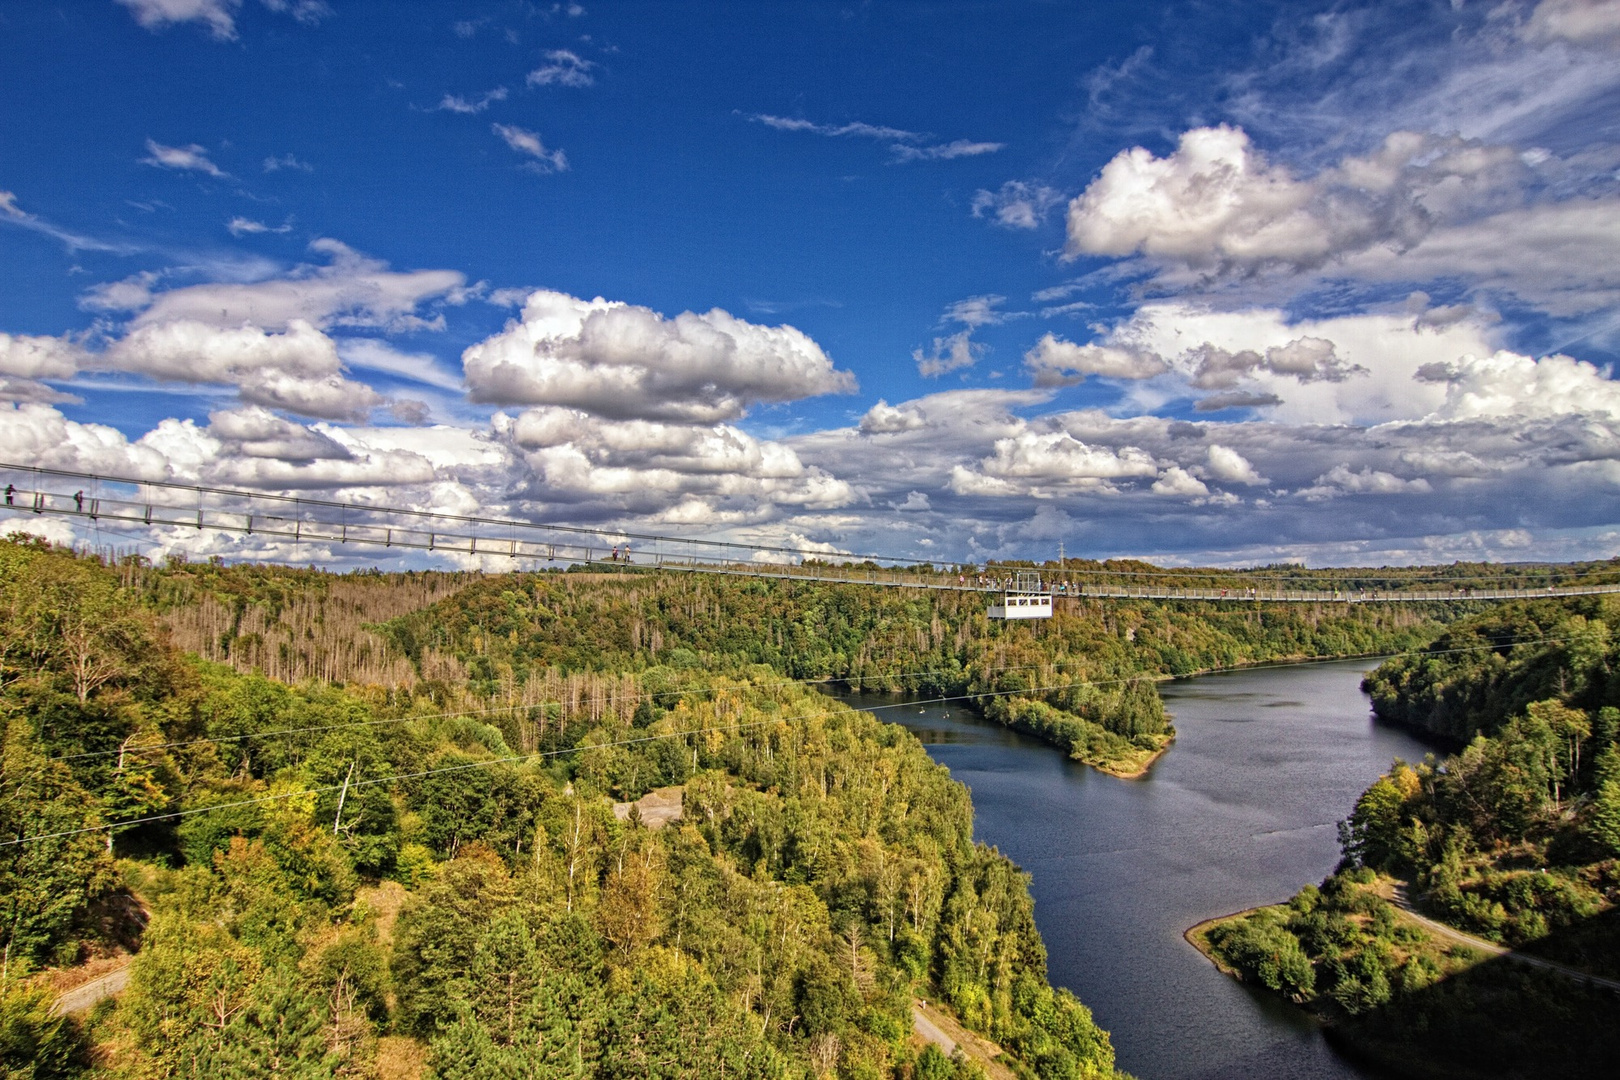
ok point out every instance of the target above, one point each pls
(562, 68)
(37, 357)
(952, 352)
(1217, 204)
(886, 419)
(1016, 204)
(529, 143)
(1307, 359)
(297, 370)
(1179, 482)
(257, 432)
(654, 466)
(623, 361)
(1341, 480)
(1057, 362)
(1507, 384)
(1042, 463)
(1227, 464)
(191, 158)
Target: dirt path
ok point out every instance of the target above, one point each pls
(86, 996)
(936, 1026)
(1402, 900)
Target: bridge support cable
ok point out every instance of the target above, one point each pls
(36, 491)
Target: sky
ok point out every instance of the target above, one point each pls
(1201, 282)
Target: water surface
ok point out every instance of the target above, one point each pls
(1242, 811)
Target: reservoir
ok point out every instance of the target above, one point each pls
(1242, 811)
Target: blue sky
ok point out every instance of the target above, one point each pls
(1203, 282)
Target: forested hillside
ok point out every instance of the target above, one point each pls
(1515, 838)
(354, 881)
(1082, 680)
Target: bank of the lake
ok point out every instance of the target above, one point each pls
(1239, 813)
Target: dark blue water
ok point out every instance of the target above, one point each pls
(1241, 811)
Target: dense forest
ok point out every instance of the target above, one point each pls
(356, 881)
(558, 648)
(1515, 838)
(365, 825)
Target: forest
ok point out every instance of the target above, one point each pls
(1513, 838)
(386, 825)
(558, 646)
(357, 880)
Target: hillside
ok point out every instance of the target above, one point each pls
(351, 881)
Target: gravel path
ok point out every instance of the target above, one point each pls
(84, 997)
(1404, 902)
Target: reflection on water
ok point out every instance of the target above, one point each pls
(1242, 811)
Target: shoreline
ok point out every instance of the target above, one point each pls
(1135, 774)
(1195, 936)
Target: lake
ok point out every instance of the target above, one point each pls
(1242, 811)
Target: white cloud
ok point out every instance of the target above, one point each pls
(375, 355)
(1307, 359)
(528, 142)
(885, 419)
(1330, 370)
(950, 353)
(15, 389)
(623, 361)
(945, 151)
(36, 357)
(352, 290)
(1060, 457)
(1558, 257)
(905, 145)
(1227, 464)
(855, 127)
(1056, 362)
(256, 432)
(217, 15)
(1341, 480)
(654, 466)
(1179, 482)
(1017, 204)
(977, 311)
(915, 501)
(12, 214)
(240, 226)
(457, 104)
(287, 161)
(1509, 385)
(297, 370)
(1217, 204)
(1584, 22)
(191, 158)
(562, 68)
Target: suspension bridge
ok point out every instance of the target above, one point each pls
(320, 529)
